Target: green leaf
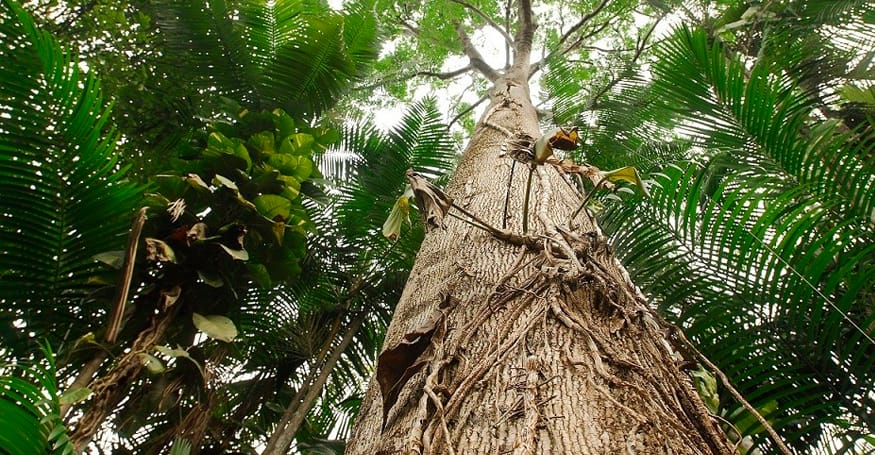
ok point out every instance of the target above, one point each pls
(210, 279)
(303, 143)
(706, 385)
(283, 123)
(626, 174)
(399, 214)
(197, 182)
(74, 396)
(114, 259)
(240, 255)
(215, 326)
(260, 275)
(272, 206)
(263, 142)
(217, 142)
(221, 180)
(152, 363)
(180, 446)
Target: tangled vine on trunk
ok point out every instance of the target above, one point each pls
(528, 344)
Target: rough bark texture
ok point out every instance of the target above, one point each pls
(540, 349)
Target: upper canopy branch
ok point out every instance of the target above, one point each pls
(583, 21)
(524, 36)
(571, 47)
(474, 55)
(486, 18)
(401, 76)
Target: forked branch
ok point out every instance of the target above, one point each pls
(476, 59)
(492, 23)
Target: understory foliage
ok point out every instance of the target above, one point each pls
(758, 237)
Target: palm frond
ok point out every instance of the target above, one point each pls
(64, 194)
(30, 420)
(298, 56)
(763, 254)
(762, 115)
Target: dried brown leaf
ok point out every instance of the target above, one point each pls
(396, 365)
(432, 202)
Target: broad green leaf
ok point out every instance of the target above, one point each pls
(284, 124)
(260, 275)
(74, 396)
(221, 180)
(706, 385)
(303, 143)
(179, 353)
(240, 255)
(114, 259)
(215, 326)
(263, 142)
(217, 142)
(272, 206)
(152, 363)
(626, 174)
(197, 182)
(292, 187)
(170, 352)
(210, 279)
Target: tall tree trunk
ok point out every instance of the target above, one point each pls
(534, 349)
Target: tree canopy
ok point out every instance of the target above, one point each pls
(245, 128)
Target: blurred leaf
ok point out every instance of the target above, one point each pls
(215, 326)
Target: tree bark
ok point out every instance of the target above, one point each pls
(535, 349)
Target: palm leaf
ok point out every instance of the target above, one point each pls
(294, 55)
(30, 420)
(763, 254)
(64, 194)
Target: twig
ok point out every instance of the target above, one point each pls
(586, 199)
(467, 110)
(477, 11)
(475, 58)
(118, 308)
(526, 201)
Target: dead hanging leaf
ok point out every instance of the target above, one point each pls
(279, 230)
(564, 139)
(169, 297)
(158, 251)
(557, 138)
(432, 202)
(396, 365)
(197, 232)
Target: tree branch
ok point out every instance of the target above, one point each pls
(402, 77)
(583, 21)
(467, 110)
(537, 65)
(474, 56)
(640, 45)
(492, 23)
(524, 36)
